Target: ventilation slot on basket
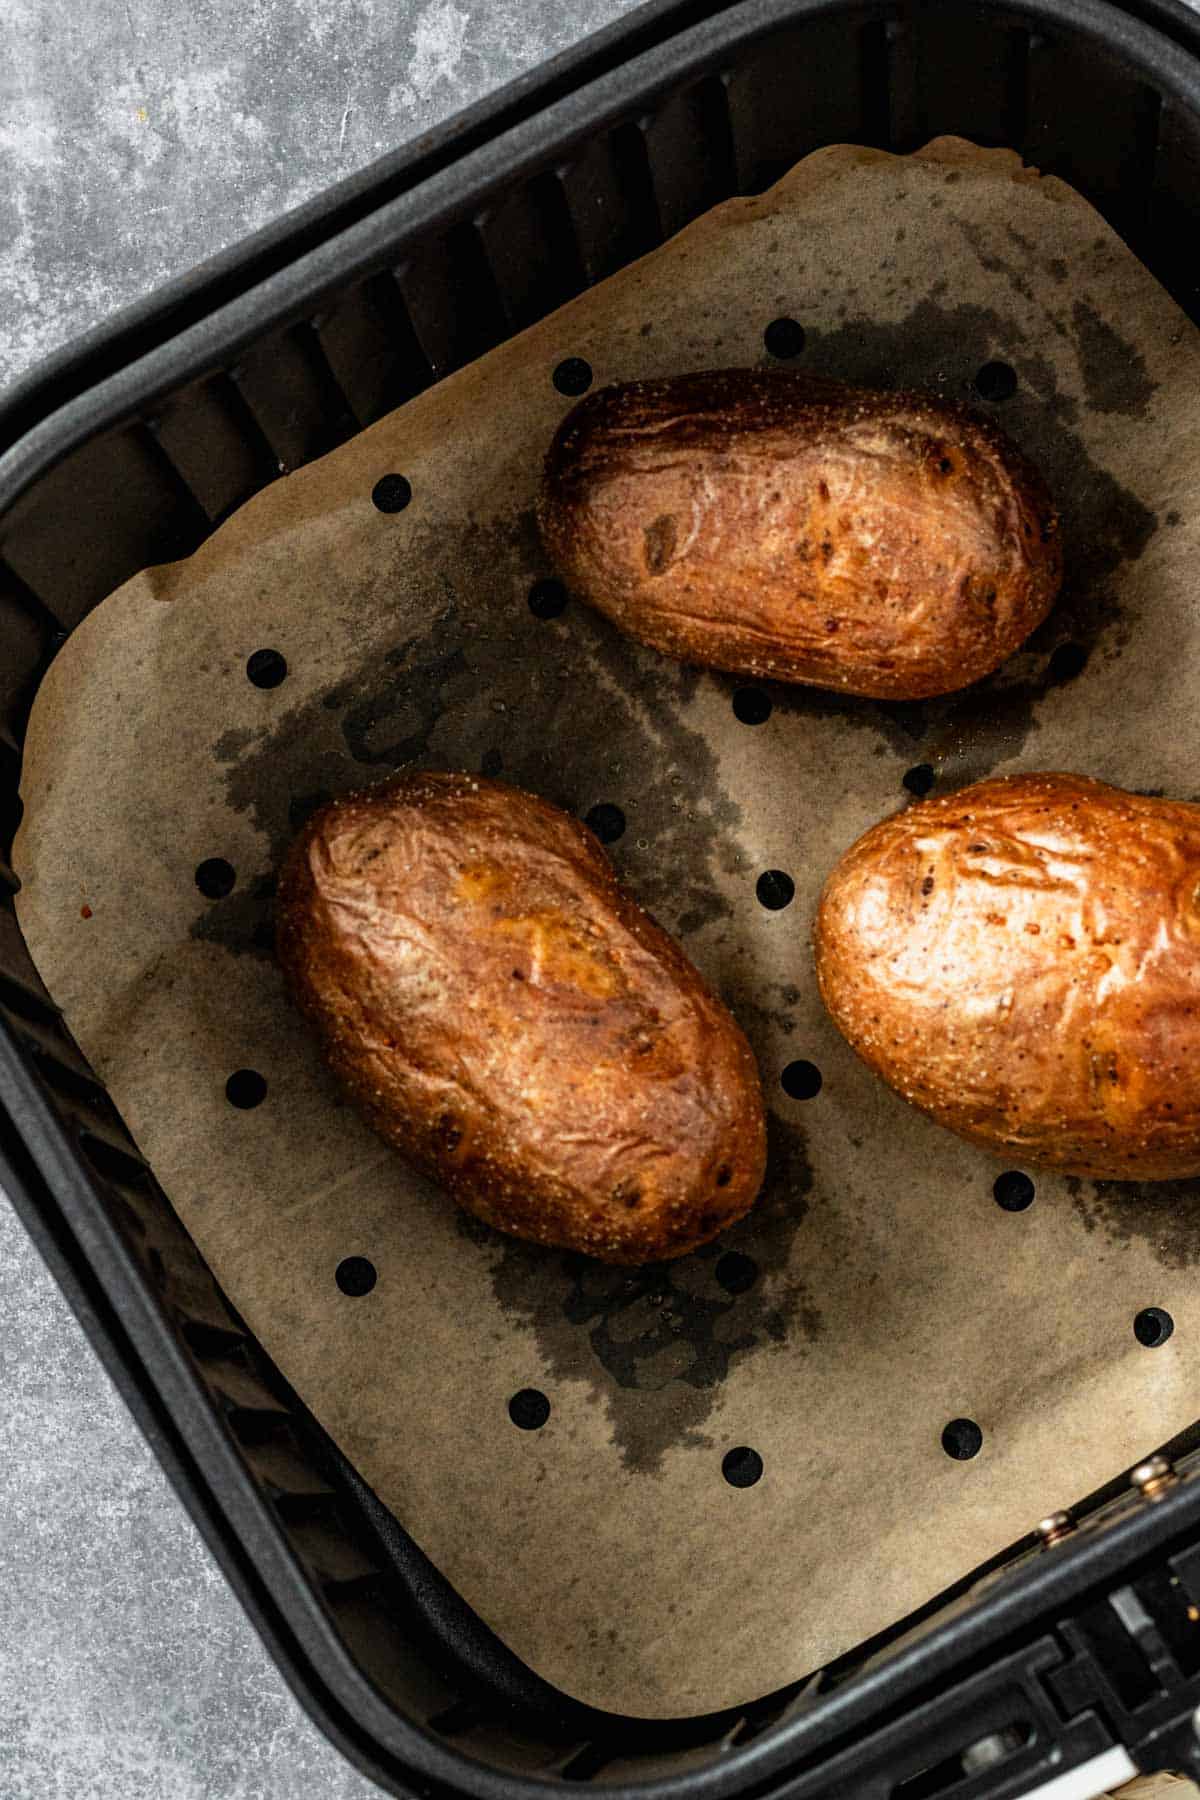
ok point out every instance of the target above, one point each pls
(763, 1714)
(282, 1470)
(874, 49)
(23, 599)
(127, 1218)
(212, 1343)
(26, 637)
(113, 1162)
(928, 58)
(187, 501)
(532, 251)
(22, 990)
(75, 1084)
(335, 1561)
(126, 1182)
(452, 300)
(353, 1589)
(126, 508)
(25, 1002)
(586, 1764)
(1106, 149)
(456, 1719)
(372, 349)
(45, 1035)
(290, 389)
(610, 202)
(10, 795)
(256, 1425)
(299, 1508)
(1172, 217)
(798, 90)
(215, 443)
(689, 151)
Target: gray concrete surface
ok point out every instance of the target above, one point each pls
(137, 137)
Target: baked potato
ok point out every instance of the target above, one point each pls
(1021, 960)
(783, 526)
(506, 1015)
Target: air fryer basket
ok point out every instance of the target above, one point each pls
(129, 450)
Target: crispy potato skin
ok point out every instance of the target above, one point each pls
(508, 1017)
(1021, 960)
(780, 525)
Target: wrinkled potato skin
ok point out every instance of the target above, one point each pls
(1021, 960)
(783, 526)
(509, 1018)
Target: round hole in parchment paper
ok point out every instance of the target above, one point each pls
(919, 779)
(1153, 1326)
(607, 821)
(391, 493)
(245, 1089)
(356, 1276)
(784, 338)
(547, 599)
(573, 376)
(215, 877)
(996, 381)
(266, 668)
(801, 1080)
(529, 1409)
(1013, 1190)
(775, 889)
(742, 1467)
(962, 1439)
(751, 705)
(736, 1273)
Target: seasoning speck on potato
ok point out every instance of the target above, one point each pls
(1021, 960)
(786, 526)
(507, 1016)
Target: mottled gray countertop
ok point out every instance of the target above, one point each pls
(136, 138)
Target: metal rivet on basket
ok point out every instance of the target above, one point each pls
(1054, 1528)
(1154, 1477)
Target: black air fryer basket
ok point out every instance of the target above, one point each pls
(129, 450)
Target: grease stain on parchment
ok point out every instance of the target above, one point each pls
(1163, 1215)
(655, 1344)
(939, 347)
(566, 708)
(571, 710)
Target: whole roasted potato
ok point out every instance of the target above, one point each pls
(784, 526)
(508, 1016)
(1022, 961)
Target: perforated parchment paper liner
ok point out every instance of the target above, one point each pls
(878, 1292)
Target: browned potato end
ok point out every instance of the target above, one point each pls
(508, 1017)
(779, 525)
(1021, 960)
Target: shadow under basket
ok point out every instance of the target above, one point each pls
(129, 449)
